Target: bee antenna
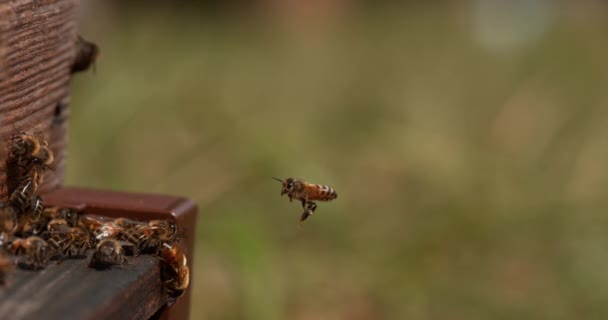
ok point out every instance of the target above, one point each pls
(277, 179)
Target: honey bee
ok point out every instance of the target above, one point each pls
(28, 149)
(58, 244)
(127, 223)
(174, 269)
(23, 197)
(58, 226)
(25, 145)
(141, 236)
(33, 158)
(86, 55)
(6, 265)
(67, 241)
(108, 252)
(35, 249)
(101, 227)
(163, 230)
(71, 217)
(306, 192)
(30, 225)
(79, 242)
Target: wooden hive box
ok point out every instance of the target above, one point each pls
(37, 49)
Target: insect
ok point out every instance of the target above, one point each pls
(50, 213)
(58, 226)
(65, 240)
(25, 145)
(35, 249)
(30, 224)
(6, 265)
(147, 237)
(33, 157)
(22, 198)
(108, 252)
(79, 242)
(163, 230)
(175, 271)
(101, 227)
(86, 55)
(307, 193)
(141, 236)
(58, 243)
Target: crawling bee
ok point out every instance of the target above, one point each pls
(306, 192)
(67, 241)
(86, 55)
(28, 148)
(174, 270)
(108, 252)
(147, 237)
(142, 237)
(127, 224)
(78, 243)
(33, 157)
(35, 249)
(58, 245)
(71, 217)
(163, 230)
(6, 265)
(25, 145)
(101, 227)
(23, 198)
(30, 224)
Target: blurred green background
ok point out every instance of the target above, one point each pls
(467, 141)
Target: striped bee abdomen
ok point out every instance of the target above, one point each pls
(323, 193)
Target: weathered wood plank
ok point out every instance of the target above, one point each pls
(37, 41)
(71, 290)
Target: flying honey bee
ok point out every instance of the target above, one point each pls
(86, 55)
(108, 252)
(35, 250)
(307, 193)
(175, 272)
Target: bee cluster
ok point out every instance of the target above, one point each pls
(32, 234)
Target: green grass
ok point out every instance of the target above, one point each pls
(472, 184)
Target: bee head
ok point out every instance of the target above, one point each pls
(288, 185)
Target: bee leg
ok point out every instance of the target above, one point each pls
(304, 216)
(304, 203)
(311, 206)
(309, 209)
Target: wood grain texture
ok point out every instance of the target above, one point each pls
(37, 40)
(71, 290)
